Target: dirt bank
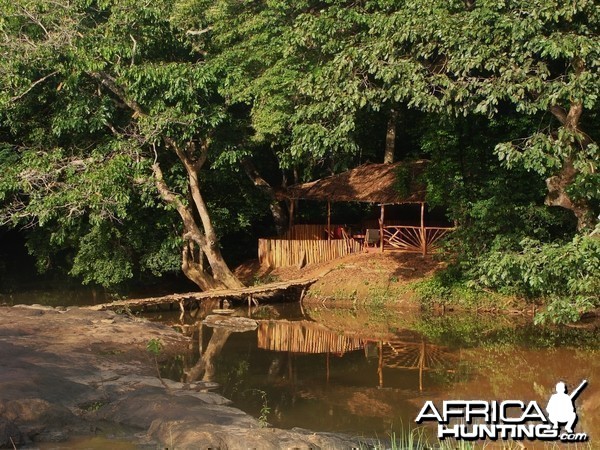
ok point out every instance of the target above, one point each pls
(365, 277)
(80, 372)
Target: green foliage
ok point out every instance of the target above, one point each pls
(155, 347)
(88, 94)
(566, 275)
(404, 181)
(90, 91)
(265, 409)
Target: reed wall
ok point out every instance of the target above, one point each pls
(295, 252)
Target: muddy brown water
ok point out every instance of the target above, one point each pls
(369, 371)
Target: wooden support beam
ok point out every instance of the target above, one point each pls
(421, 365)
(380, 365)
(328, 220)
(381, 219)
(423, 235)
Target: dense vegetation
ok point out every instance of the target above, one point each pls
(147, 138)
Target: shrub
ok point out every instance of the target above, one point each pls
(566, 276)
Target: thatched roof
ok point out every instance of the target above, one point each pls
(374, 183)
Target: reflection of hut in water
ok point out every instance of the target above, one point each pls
(398, 353)
(401, 351)
(304, 337)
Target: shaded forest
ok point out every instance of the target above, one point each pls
(139, 140)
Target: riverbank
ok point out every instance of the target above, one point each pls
(77, 372)
(393, 279)
(362, 278)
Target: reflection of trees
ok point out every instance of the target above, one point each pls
(205, 367)
(371, 381)
(486, 330)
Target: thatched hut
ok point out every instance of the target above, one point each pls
(383, 184)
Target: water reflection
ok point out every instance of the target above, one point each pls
(370, 372)
(406, 350)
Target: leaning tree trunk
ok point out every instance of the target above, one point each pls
(203, 236)
(205, 367)
(559, 183)
(193, 267)
(558, 196)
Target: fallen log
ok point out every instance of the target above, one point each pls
(241, 294)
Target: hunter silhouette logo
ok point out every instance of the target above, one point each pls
(509, 419)
(561, 406)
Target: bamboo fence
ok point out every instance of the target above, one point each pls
(285, 252)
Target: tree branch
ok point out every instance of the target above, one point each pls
(198, 32)
(110, 83)
(570, 120)
(36, 21)
(34, 84)
(192, 230)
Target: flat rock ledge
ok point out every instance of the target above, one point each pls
(73, 372)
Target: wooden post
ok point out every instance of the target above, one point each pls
(328, 220)
(381, 219)
(200, 341)
(421, 365)
(423, 237)
(380, 365)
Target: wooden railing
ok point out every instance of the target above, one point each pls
(297, 252)
(413, 238)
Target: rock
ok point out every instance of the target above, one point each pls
(237, 324)
(73, 371)
(10, 435)
(190, 435)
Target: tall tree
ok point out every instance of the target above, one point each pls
(323, 63)
(485, 57)
(101, 102)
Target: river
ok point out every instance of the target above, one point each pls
(369, 371)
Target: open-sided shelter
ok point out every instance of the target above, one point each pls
(383, 184)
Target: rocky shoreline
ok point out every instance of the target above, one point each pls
(75, 372)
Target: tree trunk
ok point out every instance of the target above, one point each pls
(557, 196)
(278, 213)
(205, 238)
(192, 265)
(560, 182)
(211, 247)
(390, 138)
